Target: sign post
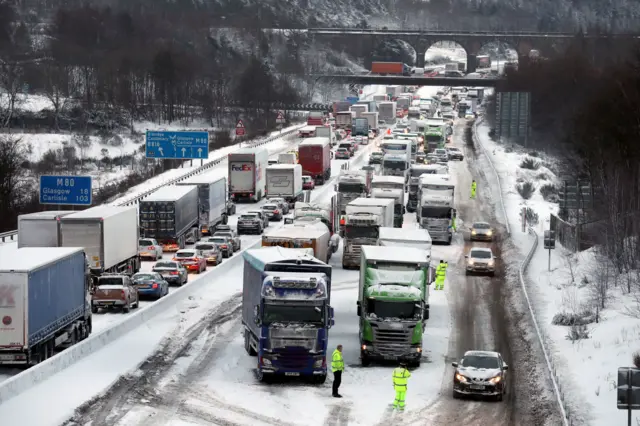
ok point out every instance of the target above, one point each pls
(280, 120)
(66, 190)
(549, 243)
(240, 129)
(177, 145)
(628, 390)
(523, 214)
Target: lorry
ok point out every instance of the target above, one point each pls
(387, 112)
(212, 201)
(109, 235)
(414, 113)
(326, 213)
(247, 180)
(395, 68)
(326, 132)
(45, 305)
(415, 171)
(40, 229)
(364, 218)
(397, 146)
(286, 312)
(391, 187)
(434, 138)
(358, 109)
(341, 106)
(287, 158)
(371, 105)
(170, 216)
(393, 92)
(372, 118)
(416, 140)
(483, 61)
(307, 132)
(314, 155)
(435, 211)
(315, 118)
(344, 120)
(285, 181)
(393, 303)
(351, 184)
(302, 234)
(396, 165)
(403, 103)
(380, 98)
(360, 127)
(407, 237)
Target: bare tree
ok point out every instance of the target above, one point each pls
(56, 87)
(10, 82)
(13, 186)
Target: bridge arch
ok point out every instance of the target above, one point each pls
(395, 50)
(499, 52)
(442, 52)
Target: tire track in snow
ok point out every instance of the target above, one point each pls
(339, 415)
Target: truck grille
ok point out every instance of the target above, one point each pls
(293, 338)
(292, 359)
(390, 341)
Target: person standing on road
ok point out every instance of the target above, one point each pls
(400, 381)
(474, 187)
(337, 367)
(440, 275)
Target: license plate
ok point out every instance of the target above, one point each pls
(389, 357)
(107, 303)
(291, 374)
(166, 275)
(476, 387)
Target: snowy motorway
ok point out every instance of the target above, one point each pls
(188, 365)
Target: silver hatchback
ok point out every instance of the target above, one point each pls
(481, 260)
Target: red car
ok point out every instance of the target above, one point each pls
(307, 182)
(192, 260)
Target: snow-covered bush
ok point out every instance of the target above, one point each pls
(549, 192)
(570, 318)
(530, 164)
(526, 189)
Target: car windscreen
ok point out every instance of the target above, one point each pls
(185, 254)
(204, 246)
(145, 243)
(167, 265)
(249, 216)
(270, 207)
(476, 361)
(110, 281)
(481, 226)
(144, 277)
(480, 254)
(220, 240)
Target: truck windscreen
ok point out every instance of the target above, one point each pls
(289, 313)
(436, 212)
(401, 310)
(361, 232)
(395, 165)
(351, 187)
(433, 138)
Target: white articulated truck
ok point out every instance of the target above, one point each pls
(109, 235)
(212, 200)
(285, 181)
(372, 118)
(387, 112)
(247, 177)
(40, 229)
(391, 187)
(435, 211)
(364, 218)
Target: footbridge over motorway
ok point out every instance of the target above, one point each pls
(363, 43)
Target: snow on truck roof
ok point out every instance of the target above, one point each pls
(371, 202)
(436, 179)
(170, 193)
(388, 179)
(51, 214)
(297, 231)
(100, 212)
(319, 140)
(284, 166)
(28, 259)
(395, 254)
(262, 256)
(405, 234)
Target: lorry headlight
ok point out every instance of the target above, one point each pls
(266, 361)
(317, 363)
(419, 349)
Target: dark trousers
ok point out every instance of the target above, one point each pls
(337, 379)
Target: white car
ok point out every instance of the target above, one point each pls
(148, 248)
(481, 260)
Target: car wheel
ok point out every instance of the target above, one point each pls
(492, 274)
(455, 395)
(499, 397)
(126, 309)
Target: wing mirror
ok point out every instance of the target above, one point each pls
(505, 367)
(359, 309)
(455, 364)
(466, 256)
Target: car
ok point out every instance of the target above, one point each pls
(272, 211)
(282, 203)
(114, 291)
(455, 154)
(481, 260)
(231, 208)
(482, 373)
(148, 248)
(150, 284)
(307, 183)
(421, 158)
(212, 252)
(376, 157)
(442, 154)
(432, 159)
(262, 215)
(250, 222)
(224, 243)
(226, 231)
(172, 272)
(348, 146)
(272, 161)
(342, 154)
(191, 259)
(481, 231)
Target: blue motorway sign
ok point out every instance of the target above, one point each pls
(177, 145)
(65, 190)
(352, 99)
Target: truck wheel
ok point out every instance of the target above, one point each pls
(319, 380)
(247, 344)
(365, 360)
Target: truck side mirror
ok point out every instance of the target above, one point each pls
(332, 321)
(359, 309)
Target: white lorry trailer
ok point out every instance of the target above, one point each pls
(247, 177)
(364, 218)
(285, 181)
(212, 200)
(305, 234)
(109, 235)
(436, 211)
(392, 187)
(387, 112)
(40, 229)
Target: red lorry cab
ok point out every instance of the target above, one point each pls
(314, 155)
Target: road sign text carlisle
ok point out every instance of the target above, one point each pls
(66, 190)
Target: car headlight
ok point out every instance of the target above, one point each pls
(496, 380)
(471, 262)
(489, 233)
(473, 232)
(491, 263)
(461, 378)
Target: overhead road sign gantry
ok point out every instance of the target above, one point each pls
(65, 190)
(177, 145)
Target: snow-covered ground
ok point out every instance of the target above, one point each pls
(586, 368)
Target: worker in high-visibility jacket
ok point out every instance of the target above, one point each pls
(400, 381)
(343, 220)
(337, 367)
(474, 187)
(441, 273)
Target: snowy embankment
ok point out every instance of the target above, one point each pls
(590, 321)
